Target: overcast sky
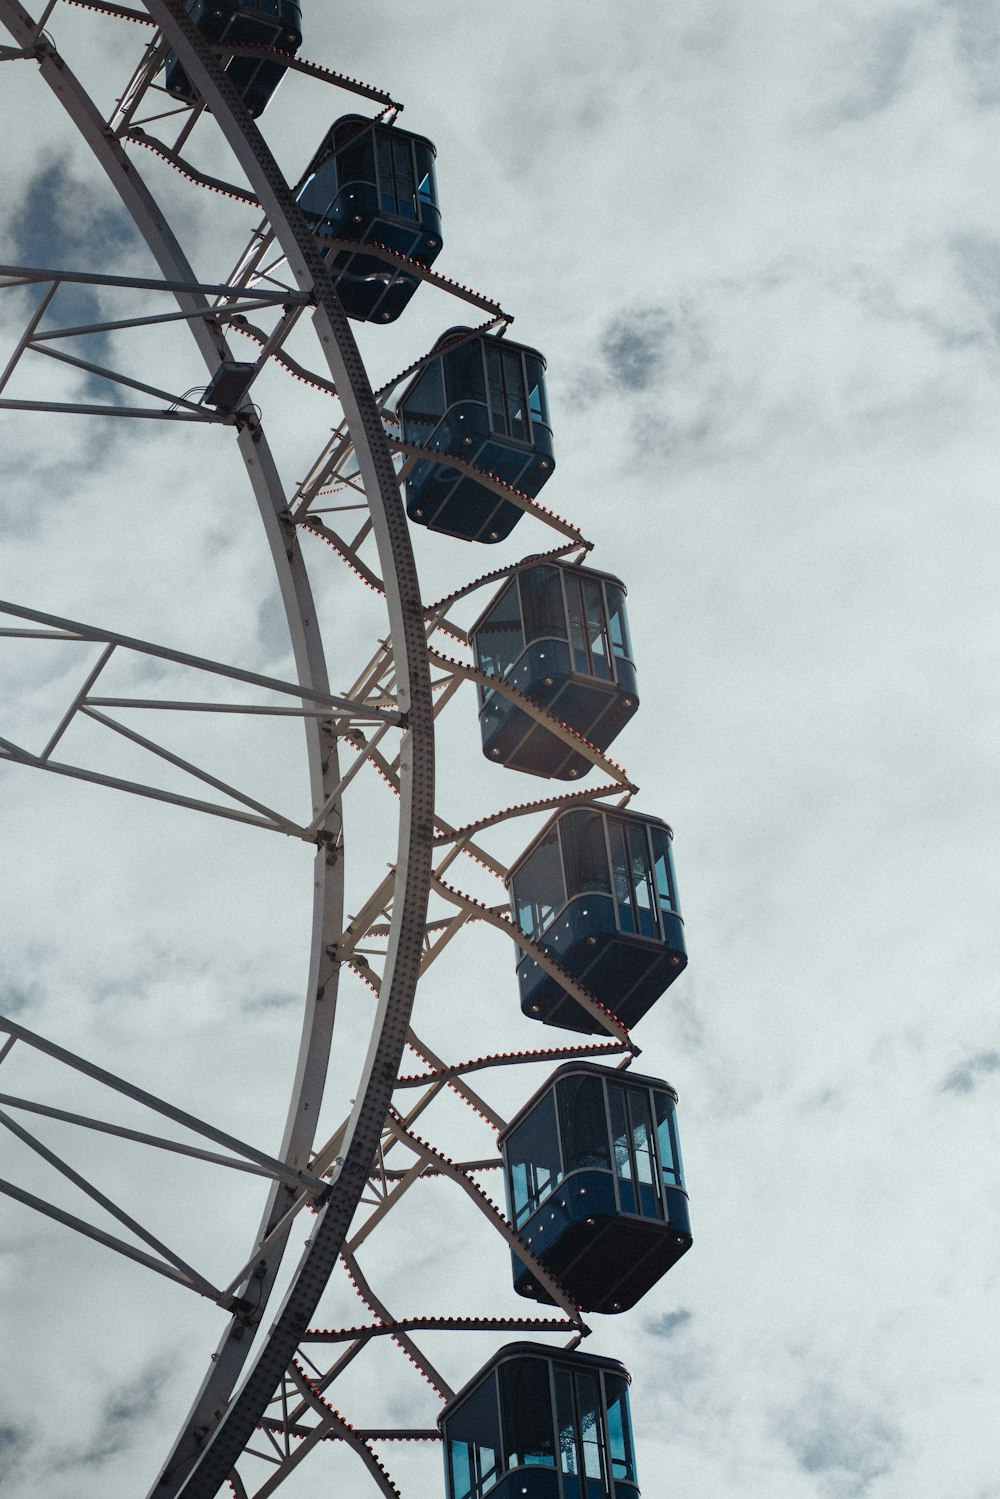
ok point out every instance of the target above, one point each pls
(760, 248)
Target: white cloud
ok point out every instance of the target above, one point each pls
(756, 247)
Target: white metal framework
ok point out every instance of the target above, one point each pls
(266, 1403)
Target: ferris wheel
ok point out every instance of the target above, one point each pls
(245, 339)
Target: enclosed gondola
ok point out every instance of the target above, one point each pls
(559, 635)
(374, 184)
(597, 891)
(541, 1424)
(595, 1185)
(242, 23)
(480, 398)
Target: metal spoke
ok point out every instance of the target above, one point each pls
(117, 378)
(298, 1179)
(223, 311)
(374, 1158)
(68, 716)
(247, 709)
(70, 629)
(26, 274)
(26, 336)
(142, 413)
(273, 817)
(275, 1172)
(69, 1220)
(196, 1281)
(18, 756)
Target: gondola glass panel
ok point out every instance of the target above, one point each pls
(374, 184)
(559, 635)
(606, 911)
(267, 23)
(474, 1445)
(595, 1186)
(559, 1419)
(482, 399)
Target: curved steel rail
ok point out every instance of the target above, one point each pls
(285, 1394)
(217, 1429)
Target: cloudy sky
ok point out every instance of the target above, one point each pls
(760, 249)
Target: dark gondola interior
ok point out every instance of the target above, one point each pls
(541, 1424)
(480, 398)
(374, 184)
(597, 891)
(559, 635)
(242, 23)
(595, 1185)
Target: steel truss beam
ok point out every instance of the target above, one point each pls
(334, 710)
(251, 1157)
(178, 407)
(320, 1001)
(242, 1157)
(69, 629)
(198, 1466)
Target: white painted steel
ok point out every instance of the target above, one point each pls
(218, 1427)
(226, 1414)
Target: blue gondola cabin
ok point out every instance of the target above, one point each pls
(480, 398)
(597, 891)
(374, 184)
(595, 1185)
(537, 1423)
(241, 23)
(559, 634)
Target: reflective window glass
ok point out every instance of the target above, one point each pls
(621, 642)
(494, 384)
(585, 853)
(537, 400)
(542, 603)
(516, 395)
(526, 1400)
(473, 1436)
(569, 1458)
(678, 1158)
(641, 1126)
(383, 157)
(667, 1141)
(426, 178)
(424, 405)
(499, 640)
(355, 152)
(591, 1426)
(464, 376)
(577, 628)
(319, 192)
(641, 879)
(404, 184)
(663, 864)
(461, 1475)
(583, 1123)
(537, 888)
(620, 1428)
(621, 874)
(531, 1152)
(597, 639)
(620, 1136)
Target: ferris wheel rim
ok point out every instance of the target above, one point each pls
(407, 627)
(214, 1451)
